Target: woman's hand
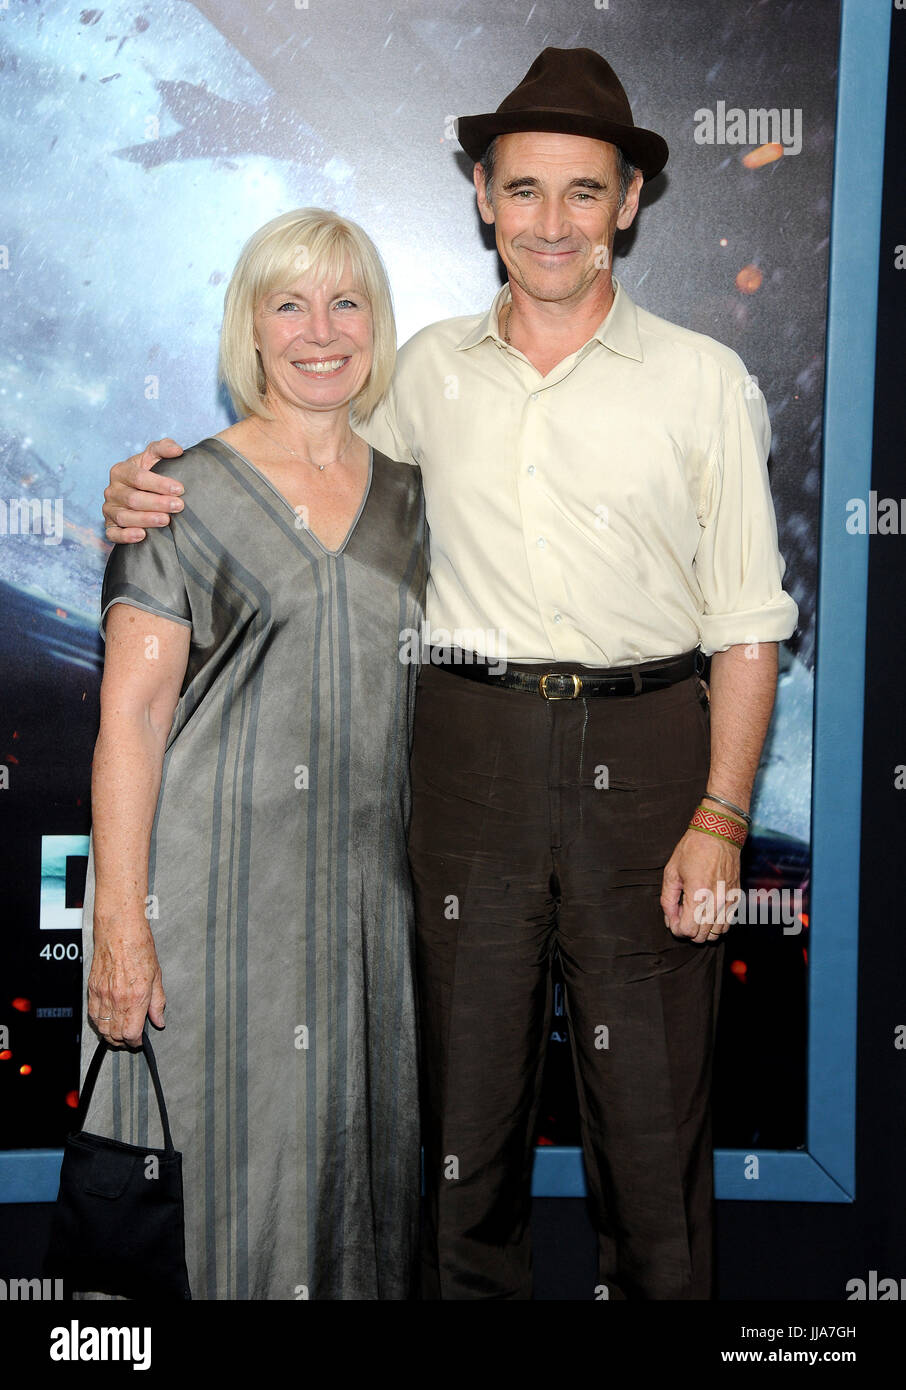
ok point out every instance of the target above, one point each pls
(125, 984)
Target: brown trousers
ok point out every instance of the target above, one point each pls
(540, 826)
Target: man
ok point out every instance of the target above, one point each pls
(600, 516)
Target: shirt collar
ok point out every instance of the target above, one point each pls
(619, 331)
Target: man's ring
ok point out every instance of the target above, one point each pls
(105, 1020)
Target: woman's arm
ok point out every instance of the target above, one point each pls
(144, 667)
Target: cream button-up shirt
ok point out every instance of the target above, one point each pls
(616, 510)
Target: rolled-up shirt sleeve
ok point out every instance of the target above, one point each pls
(738, 565)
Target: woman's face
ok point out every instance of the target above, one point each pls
(315, 342)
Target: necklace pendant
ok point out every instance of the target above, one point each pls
(321, 467)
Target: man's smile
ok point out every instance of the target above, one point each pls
(549, 255)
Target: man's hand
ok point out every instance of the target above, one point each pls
(136, 497)
(704, 865)
(743, 680)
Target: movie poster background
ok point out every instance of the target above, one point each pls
(142, 144)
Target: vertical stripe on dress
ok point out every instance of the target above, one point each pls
(307, 1162)
(247, 593)
(341, 780)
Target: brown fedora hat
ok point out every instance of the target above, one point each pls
(571, 91)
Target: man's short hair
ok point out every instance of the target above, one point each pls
(626, 169)
(308, 241)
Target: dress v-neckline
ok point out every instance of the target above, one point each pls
(306, 530)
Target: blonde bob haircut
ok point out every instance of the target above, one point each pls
(309, 241)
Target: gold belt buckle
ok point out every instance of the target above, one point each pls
(561, 676)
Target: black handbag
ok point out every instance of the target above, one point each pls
(118, 1227)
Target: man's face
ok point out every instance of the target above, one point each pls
(555, 206)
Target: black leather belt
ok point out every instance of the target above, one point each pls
(555, 683)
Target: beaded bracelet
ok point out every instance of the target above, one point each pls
(719, 824)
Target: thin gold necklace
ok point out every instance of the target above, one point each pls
(295, 453)
(506, 327)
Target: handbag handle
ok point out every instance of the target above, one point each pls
(91, 1077)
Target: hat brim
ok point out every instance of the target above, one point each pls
(647, 150)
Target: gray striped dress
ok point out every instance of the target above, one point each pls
(280, 894)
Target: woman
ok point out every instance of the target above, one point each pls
(250, 799)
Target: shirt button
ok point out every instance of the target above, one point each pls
(533, 396)
(531, 470)
(558, 618)
(541, 542)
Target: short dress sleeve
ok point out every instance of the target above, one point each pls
(147, 574)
